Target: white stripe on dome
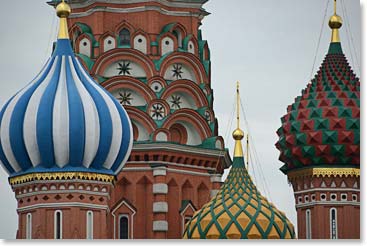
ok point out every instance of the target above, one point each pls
(30, 118)
(91, 119)
(5, 128)
(116, 123)
(60, 120)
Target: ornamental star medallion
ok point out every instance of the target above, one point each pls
(157, 111)
(175, 102)
(125, 98)
(177, 71)
(124, 68)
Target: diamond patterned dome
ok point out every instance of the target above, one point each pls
(239, 211)
(322, 127)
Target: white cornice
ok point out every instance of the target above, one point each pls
(134, 10)
(64, 204)
(326, 189)
(335, 203)
(176, 4)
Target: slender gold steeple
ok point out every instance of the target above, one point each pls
(238, 133)
(63, 10)
(335, 23)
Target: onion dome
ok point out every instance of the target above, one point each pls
(63, 121)
(322, 127)
(239, 211)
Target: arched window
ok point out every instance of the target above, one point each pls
(89, 225)
(124, 227)
(308, 224)
(333, 224)
(29, 226)
(58, 224)
(124, 36)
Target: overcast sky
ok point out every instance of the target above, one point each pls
(269, 46)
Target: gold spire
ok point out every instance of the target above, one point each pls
(63, 10)
(238, 133)
(335, 23)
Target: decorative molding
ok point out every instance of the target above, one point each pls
(63, 192)
(64, 204)
(160, 225)
(323, 172)
(60, 176)
(160, 207)
(159, 172)
(160, 188)
(216, 178)
(326, 189)
(336, 203)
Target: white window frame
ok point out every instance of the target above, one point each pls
(29, 226)
(128, 225)
(89, 224)
(55, 224)
(308, 224)
(331, 223)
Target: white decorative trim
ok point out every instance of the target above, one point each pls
(89, 225)
(213, 193)
(160, 172)
(326, 189)
(55, 224)
(28, 230)
(160, 225)
(308, 224)
(328, 203)
(177, 4)
(128, 224)
(64, 204)
(114, 218)
(135, 10)
(186, 149)
(144, 169)
(160, 188)
(216, 178)
(160, 207)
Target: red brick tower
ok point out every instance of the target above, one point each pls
(320, 146)
(151, 56)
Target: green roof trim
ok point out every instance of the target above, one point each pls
(335, 48)
(89, 62)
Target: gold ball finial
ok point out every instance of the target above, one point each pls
(63, 10)
(335, 22)
(238, 134)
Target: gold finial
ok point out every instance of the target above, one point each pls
(247, 150)
(335, 23)
(63, 10)
(238, 133)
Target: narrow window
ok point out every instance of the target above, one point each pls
(308, 224)
(124, 227)
(89, 225)
(124, 37)
(333, 224)
(58, 224)
(29, 226)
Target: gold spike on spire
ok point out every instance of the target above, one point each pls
(63, 10)
(238, 133)
(335, 23)
(247, 151)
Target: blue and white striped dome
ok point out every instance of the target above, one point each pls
(64, 121)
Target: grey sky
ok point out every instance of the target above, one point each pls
(269, 46)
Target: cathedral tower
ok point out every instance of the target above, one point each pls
(151, 56)
(319, 142)
(63, 140)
